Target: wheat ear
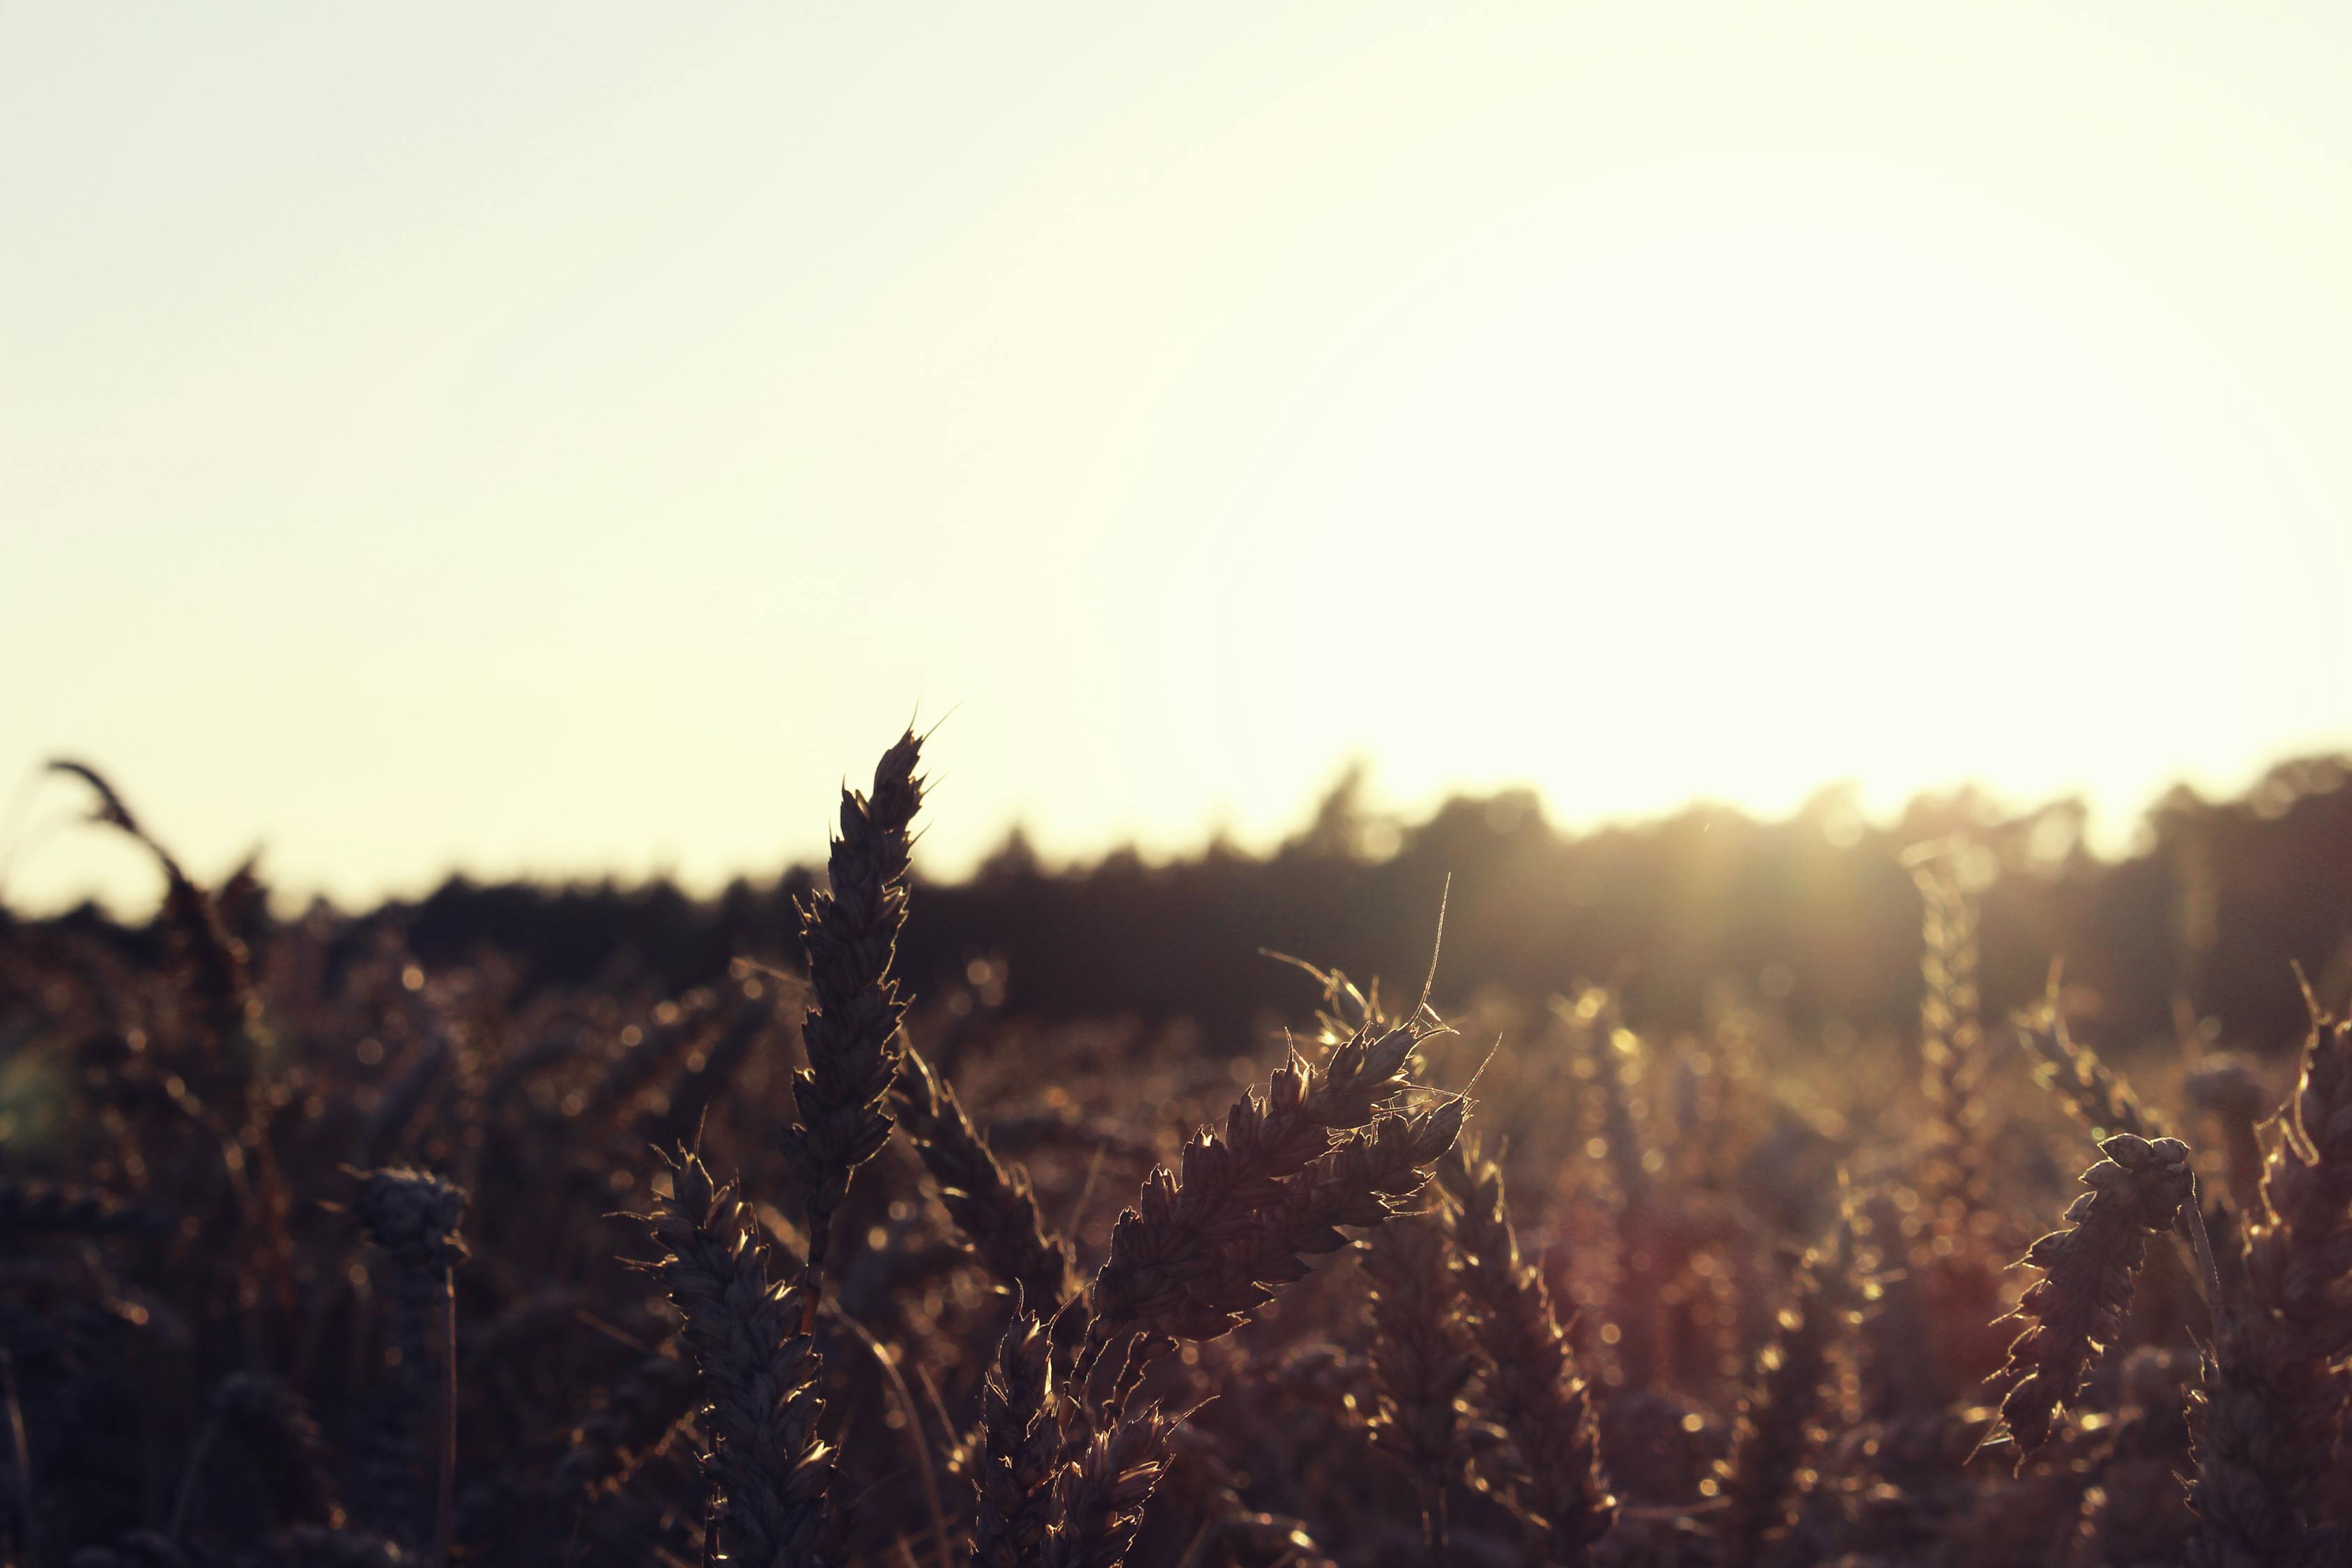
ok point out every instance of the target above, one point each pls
(414, 1217)
(1531, 1384)
(2272, 1403)
(770, 1467)
(2076, 1310)
(849, 934)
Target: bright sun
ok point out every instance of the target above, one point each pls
(1742, 511)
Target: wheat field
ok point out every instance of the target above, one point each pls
(312, 1253)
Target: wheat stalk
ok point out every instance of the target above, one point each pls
(1763, 1480)
(2271, 1407)
(1420, 1364)
(849, 933)
(771, 1468)
(1530, 1386)
(1951, 1032)
(414, 1217)
(1019, 1451)
(993, 1206)
(2076, 1310)
(2094, 1094)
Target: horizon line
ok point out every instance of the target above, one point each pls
(2271, 790)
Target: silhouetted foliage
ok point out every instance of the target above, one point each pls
(1816, 913)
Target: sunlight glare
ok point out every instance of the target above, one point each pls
(1766, 504)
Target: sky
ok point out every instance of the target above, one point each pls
(566, 439)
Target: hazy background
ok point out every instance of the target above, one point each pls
(565, 438)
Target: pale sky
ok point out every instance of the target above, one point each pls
(567, 438)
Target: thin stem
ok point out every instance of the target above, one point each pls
(446, 1493)
(2192, 1220)
(916, 1443)
(196, 1458)
(1195, 1551)
(20, 1452)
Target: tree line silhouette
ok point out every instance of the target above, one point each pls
(1815, 915)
